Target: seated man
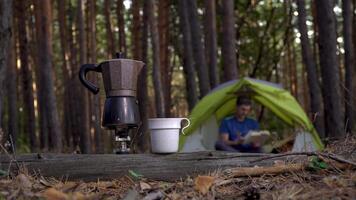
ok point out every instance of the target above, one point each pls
(233, 129)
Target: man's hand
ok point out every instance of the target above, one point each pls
(239, 141)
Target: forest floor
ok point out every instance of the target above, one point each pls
(319, 178)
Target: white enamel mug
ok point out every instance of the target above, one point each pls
(165, 134)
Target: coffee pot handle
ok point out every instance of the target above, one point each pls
(82, 76)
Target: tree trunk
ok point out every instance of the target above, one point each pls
(110, 37)
(305, 90)
(73, 61)
(187, 52)
(11, 126)
(311, 68)
(211, 42)
(66, 70)
(290, 55)
(228, 44)
(294, 75)
(11, 82)
(5, 39)
(290, 70)
(27, 81)
(349, 62)
(354, 41)
(121, 24)
(95, 105)
(315, 36)
(139, 52)
(85, 120)
(262, 44)
(157, 80)
(329, 68)
(163, 28)
(197, 45)
(136, 30)
(44, 39)
(43, 132)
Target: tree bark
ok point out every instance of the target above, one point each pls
(66, 70)
(311, 68)
(95, 104)
(171, 167)
(261, 43)
(290, 68)
(74, 83)
(187, 52)
(11, 93)
(354, 41)
(329, 68)
(110, 37)
(121, 24)
(211, 42)
(140, 53)
(27, 80)
(136, 30)
(228, 49)
(42, 120)
(44, 38)
(198, 49)
(294, 75)
(5, 39)
(164, 38)
(85, 145)
(349, 63)
(157, 80)
(315, 36)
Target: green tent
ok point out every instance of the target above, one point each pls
(220, 103)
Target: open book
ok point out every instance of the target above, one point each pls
(259, 137)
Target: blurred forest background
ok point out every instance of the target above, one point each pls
(189, 47)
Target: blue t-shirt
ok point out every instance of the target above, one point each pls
(232, 126)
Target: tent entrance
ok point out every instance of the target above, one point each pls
(204, 138)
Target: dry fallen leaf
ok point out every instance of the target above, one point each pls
(279, 162)
(334, 181)
(353, 178)
(203, 183)
(175, 196)
(24, 181)
(105, 184)
(69, 186)
(45, 182)
(53, 194)
(144, 186)
(78, 196)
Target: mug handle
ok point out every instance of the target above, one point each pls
(186, 125)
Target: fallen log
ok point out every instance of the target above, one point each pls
(171, 167)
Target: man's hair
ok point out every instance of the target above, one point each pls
(243, 100)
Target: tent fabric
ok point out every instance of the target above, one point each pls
(221, 103)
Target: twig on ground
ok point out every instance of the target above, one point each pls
(353, 150)
(228, 181)
(326, 155)
(12, 145)
(257, 171)
(337, 158)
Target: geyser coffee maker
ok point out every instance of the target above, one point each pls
(121, 112)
